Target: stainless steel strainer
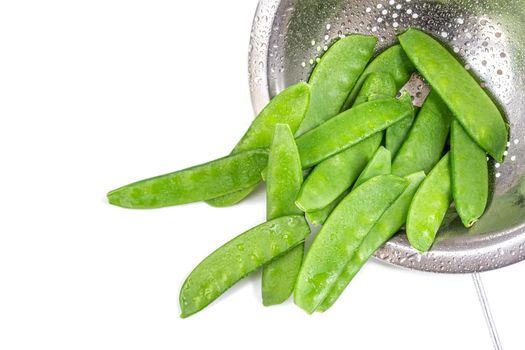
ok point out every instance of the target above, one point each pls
(288, 37)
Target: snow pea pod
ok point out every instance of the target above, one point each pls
(392, 61)
(389, 223)
(288, 107)
(429, 206)
(334, 77)
(330, 180)
(397, 133)
(473, 108)
(237, 258)
(336, 174)
(318, 217)
(380, 164)
(198, 183)
(335, 243)
(349, 128)
(424, 144)
(470, 180)
(284, 177)
(377, 85)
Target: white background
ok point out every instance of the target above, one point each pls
(95, 94)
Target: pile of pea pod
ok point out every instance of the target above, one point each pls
(349, 153)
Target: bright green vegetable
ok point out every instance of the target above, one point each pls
(470, 180)
(378, 85)
(334, 77)
(237, 258)
(330, 178)
(429, 206)
(473, 108)
(392, 61)
(340, 237)
(231, 198)
(288, 107)
(318, 217)
(198, 183)
(397, 133)
(388, 225)
(284, 177)
(425, 142)
(349, 128)
(380, 164)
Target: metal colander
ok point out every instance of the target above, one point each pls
(289, 36)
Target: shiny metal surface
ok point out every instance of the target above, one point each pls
(288, 37)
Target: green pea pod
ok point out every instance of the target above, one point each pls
(424, 144)
(334, 77)
(340, 237)
(318, 217)
(198, 183)
(288, 107)
(429, 206)
(470, 180)
(397, 133)
(330, 180)
(284, 177)
(349, 128)
(392, 61)
(473, 108)
(336, 174)
(380, 164)
(377, 85)
(232, 198)
(239, 257)
(388, 225)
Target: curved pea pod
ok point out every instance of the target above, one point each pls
(334, 77)
(284, 174)
(472, 107)
(392, 61)
(237, 258)
(198, 183)
(429, 206)
(380, 164)
(341, 235)
(350, 127)
(470, 180)
(288, 107)
(396, 134)
(330, 178)
(319, 216)
(388, 225)
(377, 85)
(426, 140)
(323, 189)
(231, 198)
(284, 177)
